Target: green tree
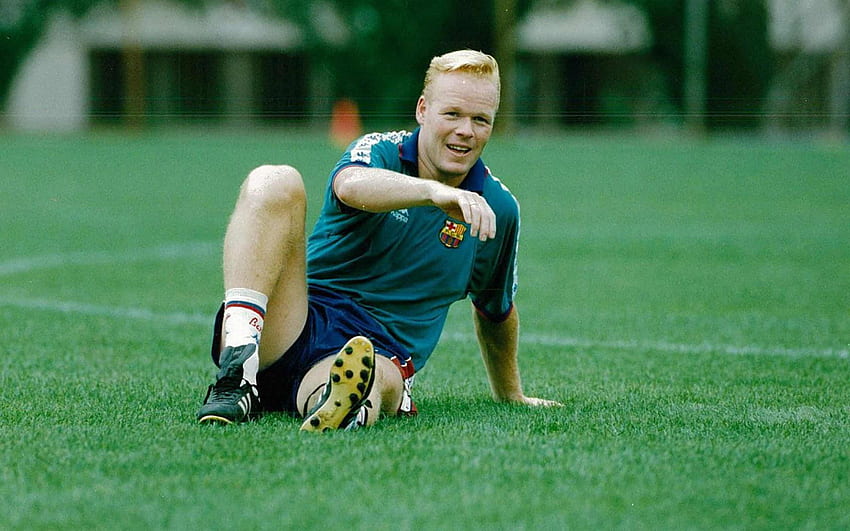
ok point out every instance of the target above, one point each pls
(379, 62)
(739, 58)
(385, 45)
(389, 44)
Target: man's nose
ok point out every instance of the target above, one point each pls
(464, 127)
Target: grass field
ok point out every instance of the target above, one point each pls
(688, 301)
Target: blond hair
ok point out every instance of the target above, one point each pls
(466, 61)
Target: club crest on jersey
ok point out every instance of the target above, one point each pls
(452, 234)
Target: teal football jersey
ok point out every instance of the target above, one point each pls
(407, 267)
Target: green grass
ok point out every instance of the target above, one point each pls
(688, 301)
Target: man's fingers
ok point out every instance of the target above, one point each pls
(541, 402)
(479, 215)
(472, 209)
(475, 219)
(488, 225)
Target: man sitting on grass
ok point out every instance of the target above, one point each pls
(333, 328)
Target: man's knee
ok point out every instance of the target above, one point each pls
(274, 186)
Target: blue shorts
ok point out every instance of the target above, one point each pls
(332, 319)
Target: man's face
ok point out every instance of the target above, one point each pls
(456, 116)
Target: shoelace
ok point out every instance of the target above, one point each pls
(228, 387)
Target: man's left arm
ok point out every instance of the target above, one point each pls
(499, 343)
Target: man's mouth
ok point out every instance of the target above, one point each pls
(459, 150)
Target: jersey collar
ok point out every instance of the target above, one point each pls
(409, 154)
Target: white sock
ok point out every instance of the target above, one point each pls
(244, 313)
(251, 367)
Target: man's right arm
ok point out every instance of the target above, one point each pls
(381, 190)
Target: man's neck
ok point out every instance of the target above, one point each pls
(427, 173)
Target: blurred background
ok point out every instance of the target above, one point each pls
(761, 67)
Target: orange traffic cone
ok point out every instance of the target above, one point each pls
(345, 123)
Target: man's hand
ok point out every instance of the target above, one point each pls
(538, 402)
(467, 206)
(499, 341)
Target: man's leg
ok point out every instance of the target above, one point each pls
(335, 389)
(264, 250)
(265, 286)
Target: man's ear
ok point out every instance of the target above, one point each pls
(420, 110)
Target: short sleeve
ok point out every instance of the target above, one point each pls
(494, 278)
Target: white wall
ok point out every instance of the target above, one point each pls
(50, 91)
